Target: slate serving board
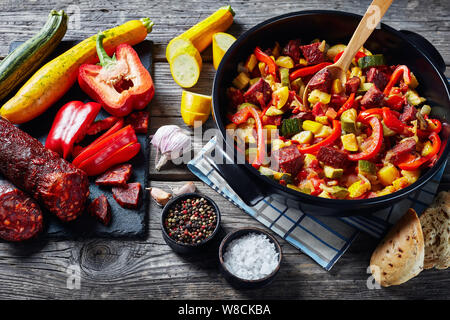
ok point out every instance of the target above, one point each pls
(125, 223)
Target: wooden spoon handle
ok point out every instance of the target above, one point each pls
(368, 23)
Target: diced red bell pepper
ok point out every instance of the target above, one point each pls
(335, 134)
(376, 141)
(400, 71)
(70, 126)
(270, 63)
(318, 109)
(395, 102)
(116, 148)
(393, 123)
(121, 83)
(307, 71)
(413, 163)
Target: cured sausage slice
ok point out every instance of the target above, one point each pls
(101, 209)
(20, 215)
(56, 184)
(115, 177)
(128, 197)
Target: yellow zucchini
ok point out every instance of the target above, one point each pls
(201, 34)
(55, 78)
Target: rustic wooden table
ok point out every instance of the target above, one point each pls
(148, 268)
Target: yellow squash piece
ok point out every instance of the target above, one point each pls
(185, 66)
(221, 43)
(201, 34)
(55, 78)
(195, 108)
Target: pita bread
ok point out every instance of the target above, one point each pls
(400, 255)
(435, 223)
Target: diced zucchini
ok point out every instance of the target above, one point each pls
(241, 81)
(348, 120)
(324, 194)
(303, 62)
(358, 188)
(303, 137)
(425, 110)
(284, 76)
(322, 119)
(277, 144)
(365, 86)
(400, 183)
(336, 87)
(285, 62)
(324, 132)
(251, 62)
(339, 192)
(334, 50)
(245, 133)
(251, 153)
(297, 84)
(414, 98)
(333, 173)
(388, 174)
(262, 68)
(294, 187)
(291, 127)
(266, 172)
(414, 83)
(355, 72)
(387, 190)
(272, 111)
(312, 126)
(365, 166)
(319, 96)
(286, 177)
(349, 142)
(245, 105)
(371, 61)
(412, 176)
(281, 96)
(427, 148)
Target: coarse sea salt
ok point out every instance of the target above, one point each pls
(251, 257)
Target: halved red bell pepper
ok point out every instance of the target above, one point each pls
(307, 71)
(413, 163)
(400, 71)
(121, 83)
(393, 123)
(70, 125)
(108, 151)
(335, 134)
(262, 57)
(347, 105)
(376, 141)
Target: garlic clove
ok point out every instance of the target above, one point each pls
(160, 196)
(186, 188)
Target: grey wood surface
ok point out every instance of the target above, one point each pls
(148, 269)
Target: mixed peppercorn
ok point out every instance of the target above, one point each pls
(191, 221)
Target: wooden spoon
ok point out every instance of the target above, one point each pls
(368, 23)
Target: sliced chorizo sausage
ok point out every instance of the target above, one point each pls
(56, 184)
(20, 215)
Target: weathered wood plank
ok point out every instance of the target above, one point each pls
(150, 269)
(20, 19)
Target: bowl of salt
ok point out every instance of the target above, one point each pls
(250, 258)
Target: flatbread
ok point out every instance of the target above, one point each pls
(400, 255)
(435, 223)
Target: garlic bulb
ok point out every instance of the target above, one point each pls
(171, 142)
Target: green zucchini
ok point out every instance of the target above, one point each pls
(371, 61)
(25, 59)
(291, 127)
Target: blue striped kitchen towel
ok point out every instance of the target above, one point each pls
(324, 239)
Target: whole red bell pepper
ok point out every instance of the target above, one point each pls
(108, 151)
(121, 83)
(262, 57)
(307, 71)
(395, 77)
(413, 163)
(376, 141)
(335, 134)
(70, 125)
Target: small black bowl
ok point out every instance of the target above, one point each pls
(234, 280)
(188, 248)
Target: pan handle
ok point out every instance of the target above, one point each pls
(428, 49)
